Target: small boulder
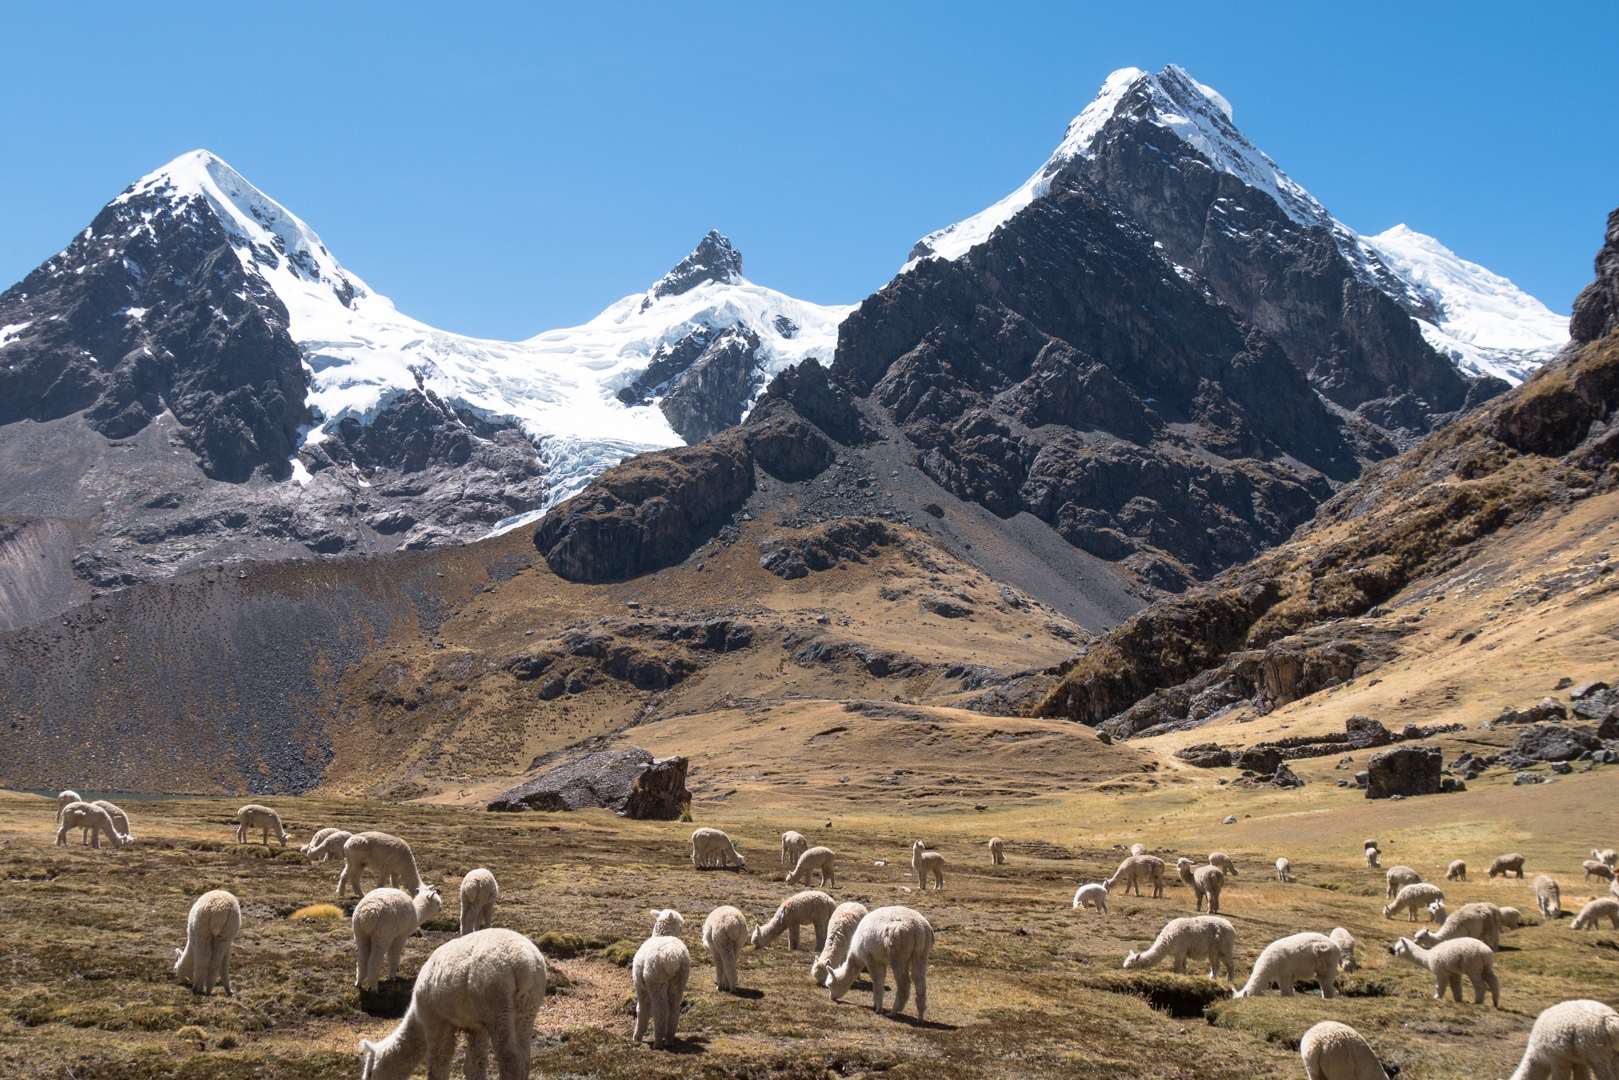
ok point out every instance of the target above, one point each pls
(1206, 756)
(1528, 778)
(1286, 778)
(1229, 819)
(1562, 768)
(1586, 689)
(1365, 733)
(1405, 771)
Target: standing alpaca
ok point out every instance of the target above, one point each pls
(1411, 899)
(926, 862)
(120, 822)
(1457, 871)
(253, 816)
(1480, 920)
(1334, 1051)
(711, 848)
(1449, 961)
(1206, 883)
(1223, 861)
(1596, 869)
(64, 799)
(660, 971)
(211, 929)
(383, 921)
(997, 851)
(839, 933)
(1284, 870)
(1603, 907)
(1502, 865)
(793, 845)
(389, 857)
(1094, 894)
(479, 891)
(725, 931)
(1397, 878)
(490, 985)
(1136, 869)
(1296, 958)
(1371, 858)
(896, 937)
(1198, 937)
(1548, 897)
(326, 844)
(814, 908)
(1578, 1039)
(819, 861)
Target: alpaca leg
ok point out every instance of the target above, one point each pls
(440, 1040)
(512, 1046)
(820, 934)
(61, 835)
(877, 970)
(1494, 983)
(202, 965)
(477, 1064)
(362, 962)
(920, 978)
(1285, 984)
(902, 988)
(1180, 964)
(643, 1010)
(671, 1013)
(1329, 983)
(396, 950)
(792, 936)
(225, 948)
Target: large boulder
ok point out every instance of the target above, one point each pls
(628, 780)
(1551, 742)
(1263, 760)
(1404, 771)
(1365, 733)
(1206, 756)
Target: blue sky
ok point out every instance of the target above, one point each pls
(502, 170)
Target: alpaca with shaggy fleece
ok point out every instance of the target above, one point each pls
(1578, 1039)
(1548, 897)
(839, 933)
(793, 845)
(1346, 948)
(660, 971)
(211, 929)
(120, 822)
(889, 937)
(1606, 856)
(1197, 937)
(1510, 918)
(1371, 859)
(997, 851)
(1397, 878)
(925, 863)
(253, 816)
(1295, 958)
(811, 907)
(1135, 870)
(490, 985)
(712, 849)
(1456, 871)
(1206, 883)
(1094, 894)
(1138, 849)
(1478, 920)
(819, 861)
(382, 854)
(1449, 961)
(83, 815)
(1412, 899)
(479, 891)
(1223, 861)
(1597, 869)
(725, 931)
(1502, 865)
(1334, 1051)
(1284, 870)
(383, 921)
(326, 844)
(64, 799)
(1603, 907)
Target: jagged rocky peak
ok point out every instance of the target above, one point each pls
(714, 260)
(1596, 309)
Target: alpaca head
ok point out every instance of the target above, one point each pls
(1133, 960)
(428, 903)
(667, 922)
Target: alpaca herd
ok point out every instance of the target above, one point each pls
(490, 983)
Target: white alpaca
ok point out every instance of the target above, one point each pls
(83, 815)
(793, 845)
(1206, 883)
(1597, 869)
(1603, 907)
(1456, 871)
(1334, 1051)
(1503, 865)
(926, 862)
(1223, 861)
(1284, 870)
(1412, 899)
(65, 798)
(389, 857)
(814, 908)
(1548, 897)
(1094, 894)
(1371, 858)
(326, 844)
(1437, 912)
(253, 816)
(383, 921)
(660, 971)
(1136, 869)
(490, 985)
(1510, 918)
(1449, 961)
(890, 937)
(1346, 947)
(819, 861)
(839, 933)
(1607, 856)
(1199, 937)
(1574, 1039)
(1397, 878)
(1295, 958)
(711, 848)
(1138, 849)
(211, 929)
(120, 822)
(725, 931)
(997, 851)
(479, 891)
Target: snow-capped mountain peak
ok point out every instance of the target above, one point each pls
(714, 260)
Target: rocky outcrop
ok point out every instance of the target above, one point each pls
(1596, 309)
(849, 540)
(1551, 742)
(629, 781)
(713, 260)
(1405, 771)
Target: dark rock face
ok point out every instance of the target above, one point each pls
(1596, 309)
(710, 395)
(1550, 742)
(1206, 756)
(1404, 771)
(629, 781)
(714, 260)
(849, 540)
(150, 310)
